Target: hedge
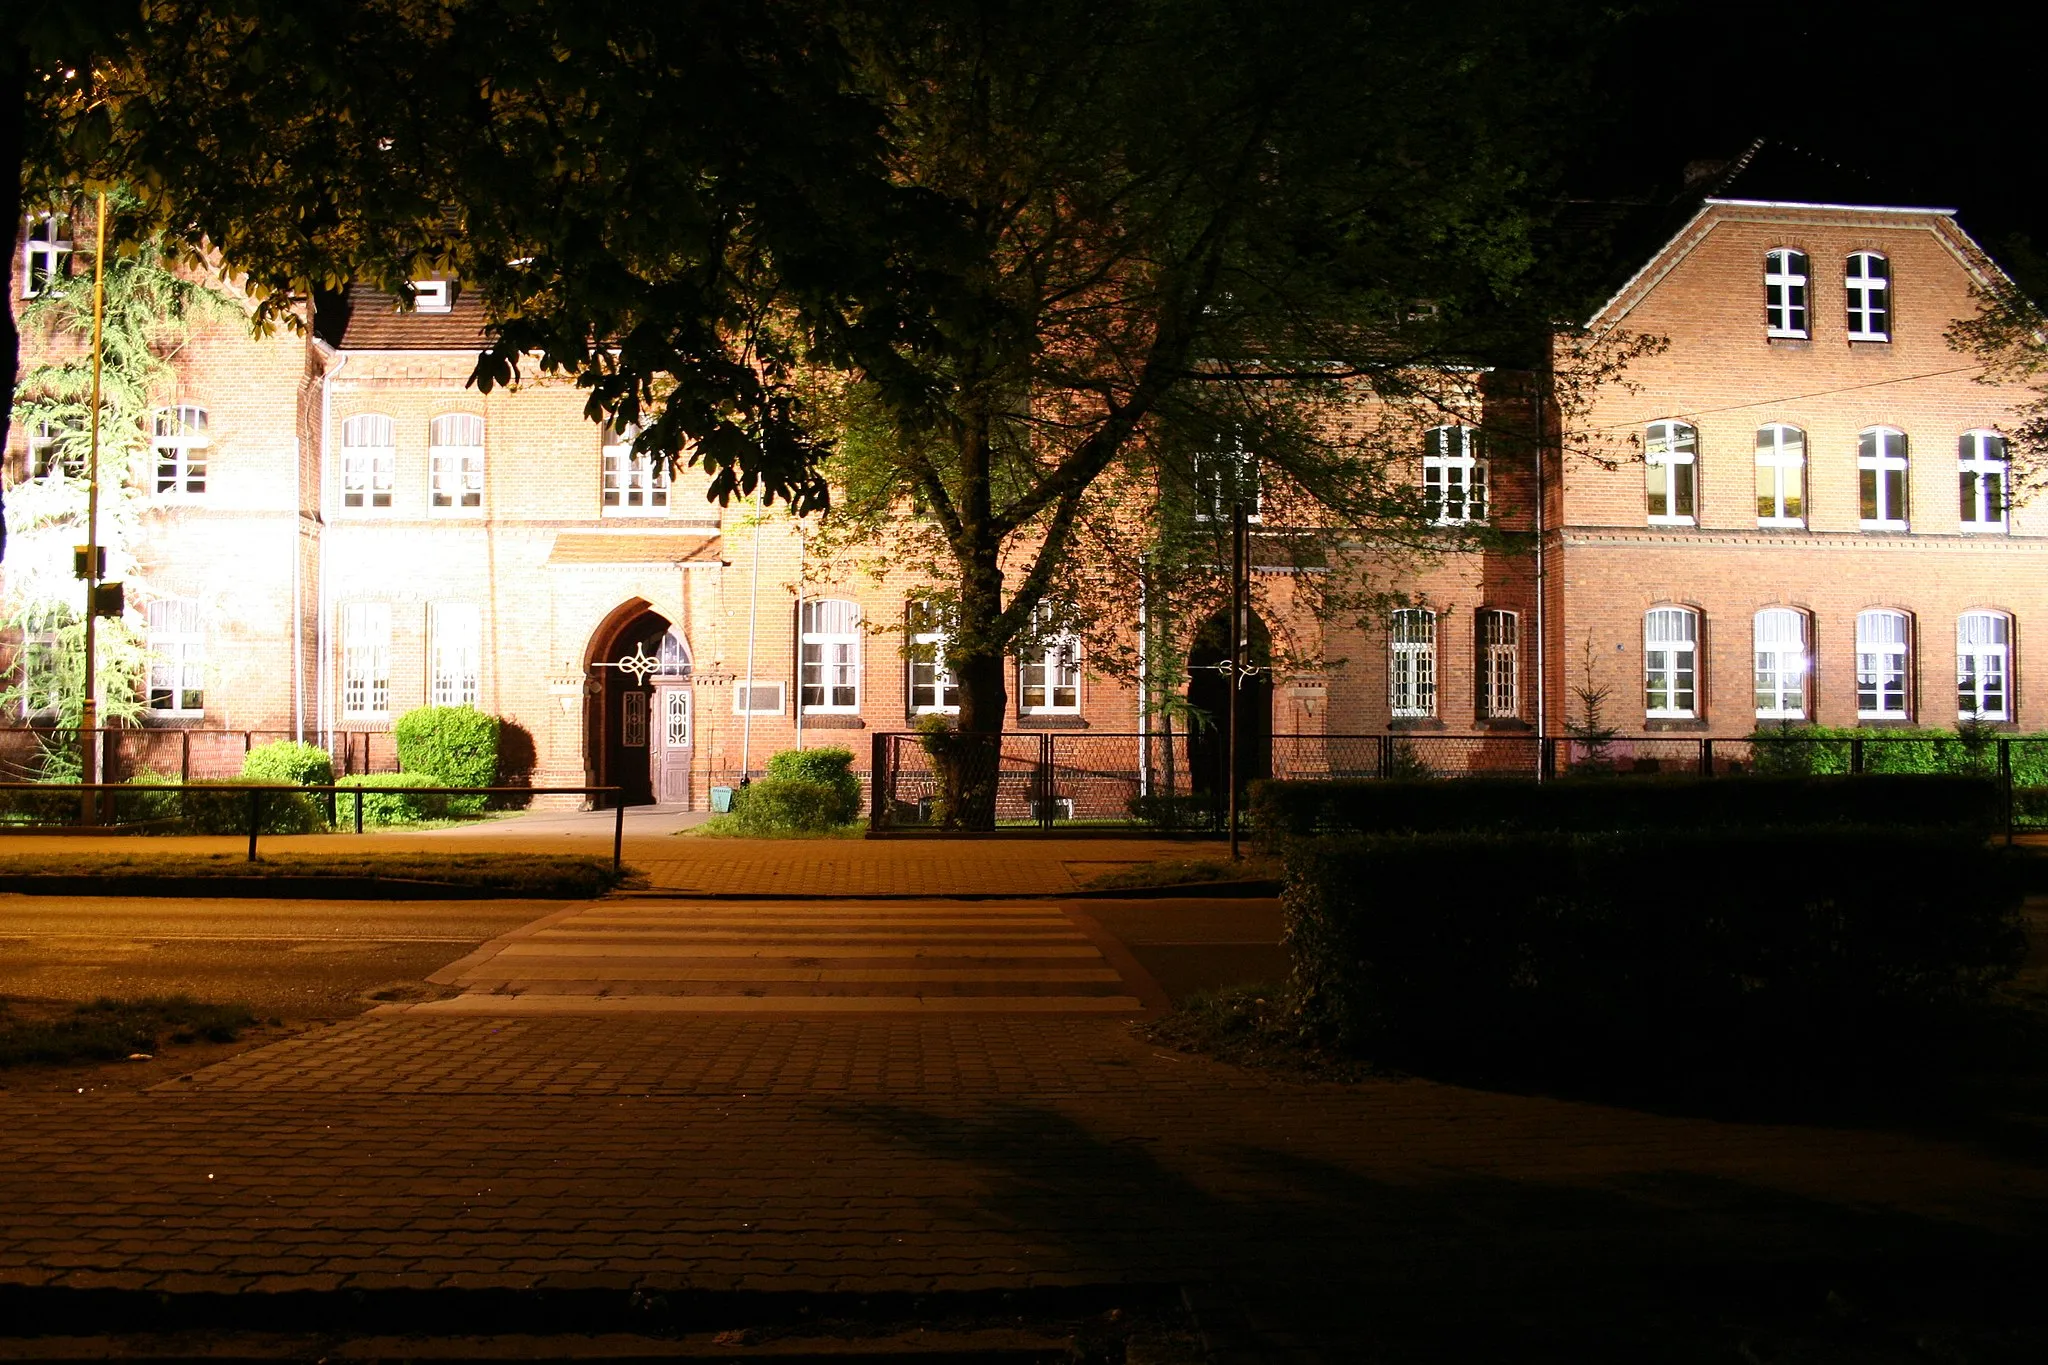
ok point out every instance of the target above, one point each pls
(1642, 950)
(391, 799)
(1593, 804)
(831, 767)
(457, 745)
(788, 805)
(288, 762)
(222, 807)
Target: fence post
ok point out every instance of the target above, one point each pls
(333, 808)
(618, 830)
(1546, 758)
(255, 817)
(1706, 758)
(1045, 812)
(247, 740)
(184, 757)
(359, 810)
(1386, 756)
(878, 778)
(1856, 755)
(2005, 780)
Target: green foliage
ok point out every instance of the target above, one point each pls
(394, 798)
(788, 805)
(455, 745)
(1283, 810)
(288, 761)
(222, 807)
(828, 767)
(1569, 954)
(1175, 814)
(1829, 749)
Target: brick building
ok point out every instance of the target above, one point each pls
(1796, 511)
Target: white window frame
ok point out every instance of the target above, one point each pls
(1984, 666)
(42, 661)
(1869, 295)
(828, 656)
(1453, 476)
(369, 464)
(1884, 659)
(1781, 476)
(455, 465)
(1671, 663)
(45, 249)
(1500, 664)
(46, 457)
(1787, 293)
(433, 296)
(1221, 471)
(177, 657)
(180, 442)
(1783, 663)
(1984, 475)
(631, 485)
(933, 690)
(1411, 663)
(456, 648)
(366, 660)
(1051, 666)
(748, 694)
(1671, 459)
(1882, 468)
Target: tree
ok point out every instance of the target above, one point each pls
(2008, 336)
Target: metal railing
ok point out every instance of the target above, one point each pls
(244, 805)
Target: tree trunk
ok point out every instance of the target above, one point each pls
(13, 116)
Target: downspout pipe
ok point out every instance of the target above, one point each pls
(1543, 378)
(323, 652)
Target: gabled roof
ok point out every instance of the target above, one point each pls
(366, 319)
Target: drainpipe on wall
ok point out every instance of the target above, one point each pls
(1542, 634)
(1144, 677)
(798, 658)
(298, 607)
(323, 652)
(753, 617)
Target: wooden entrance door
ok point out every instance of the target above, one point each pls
(673, 736)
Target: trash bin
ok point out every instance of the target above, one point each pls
(721, 800)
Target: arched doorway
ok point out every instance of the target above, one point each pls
(1209, 695)
(639, 729)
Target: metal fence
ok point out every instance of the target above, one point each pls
(34, 753)
(1061, 779)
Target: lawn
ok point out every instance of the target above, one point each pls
(111, 1030)
(511, 874)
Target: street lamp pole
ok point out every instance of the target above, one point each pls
(1239, 591)
(89, 712)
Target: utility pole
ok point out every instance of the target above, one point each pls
(89, 712)
(1239, 592)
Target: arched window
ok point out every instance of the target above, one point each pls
(828, 632)
(1670, 456)
(181, 442)
(177, 658)
(1785, 292)
(1453, 476)
(1411, 662)
(369, 462)
(635, 485)
(1984, 666)
(1671, 649)
(1868, 286)
(1781, 664)
(674, 656)
(1780, 476)
(1500, 642)
(1883, 646)
(455, 463)
(1981, 463)
(1881, 465)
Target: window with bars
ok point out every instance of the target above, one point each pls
(1881, 466)
(42, 659)
(45, 253)
(1224, 477)
(1868, 285)
(635, 485)
(932, 688)
(1785, 280)
(54, 450)
(1500, 641)
(1049, 668)
(1411, 662)
(1984, 666)
(756, 698)
(1670, 463)
(177, 658)
(457, 630)
(1671, 645)
(369, 462)
(1882, 649)
(180, 441)
(1780, 476)
(1981, 462)
(1781, 664)
(455, 463)
(828, 656)
(1453, 476)
(366, 660)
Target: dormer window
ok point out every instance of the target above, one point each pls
(433, 296)
(1785, 277)
(1869, 288)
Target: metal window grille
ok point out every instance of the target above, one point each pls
(828, 680)
(1453, 476)
(1670, 454)
(1881, 465)
(458, 647)
(1500, 664)
(181, 440)
(1781, 664)
(366, 660)
(1785, 280)
(675, 732)
(1983, 666)
(757, 699)
(369, 461)
(455, 462)
(1981, 462)
(1868, 286)
(1671, 637)
(1780, 476)
(1411, 663)
(1881, 649)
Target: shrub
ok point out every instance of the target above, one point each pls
(458, 744)
(393, 798)
(157, 798)
(787, 805)
(222, 807)
(1593, 804)
(831, 767)
(289, 762)
(1176, 813)
(1645, 951)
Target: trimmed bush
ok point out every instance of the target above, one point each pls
(392, 799)
(1647, 952)
(787, 805)
(288, 761)
(1177, 813)
(830, 767)
(222, 807)
(1595, 804)
(456, 744)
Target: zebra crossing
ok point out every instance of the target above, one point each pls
(689, 955)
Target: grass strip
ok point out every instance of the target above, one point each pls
(1185, 872)
(728, 827)
(109, 1030)
(518, 874)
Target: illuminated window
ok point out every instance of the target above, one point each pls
(635, 485)
(1980, 459)
(457, 644)
(369, 462)
(1984, 666)
(45, 253)
(1453, 476)
(42, 659)
(366, 661)
(181, 442)
(455, 463)
(1225, 477)
(1411, 662)
(1049, 670)
(177, 658)
(1881, 464)
(1781, 664)
(1671, 645)
(1869, 289)
(932, 687)
(1780, 476)
(1670, 461)
(1882, 646)
(829, 656)
(1785, 293)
